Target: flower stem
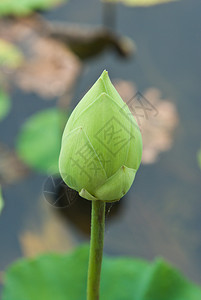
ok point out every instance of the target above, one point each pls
(96, 249)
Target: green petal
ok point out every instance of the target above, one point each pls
(110, 136)
(102, 85)
(117, 185)
(89, 98)
(112, 92)
(135, 149)
(79, 164)
(85, 194)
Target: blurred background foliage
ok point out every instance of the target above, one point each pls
(4, 105)
(65, 277)
(40, 148)
(10, 56)
(1, 201)
(140, 2)
(24, 7)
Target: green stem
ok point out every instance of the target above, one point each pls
(96, 249)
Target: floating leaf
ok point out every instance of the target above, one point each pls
(24, 7)
(11, 168)
(156, 117)
(199, 158)
(140, 2)
(52, 70)
(49, 68)
(64, 277)
(4, 105)
(10, 56)
(1, 201)
(38, 143)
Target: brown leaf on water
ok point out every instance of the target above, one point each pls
(156, 117)
(11, 168)
(50, 69)
(48, 234)
(50, 72)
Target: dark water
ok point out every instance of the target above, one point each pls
(162, 212)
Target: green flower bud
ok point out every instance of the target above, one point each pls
(101, 145)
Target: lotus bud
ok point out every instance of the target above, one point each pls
(101, 146)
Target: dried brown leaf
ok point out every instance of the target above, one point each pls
(11, 168)
(50, 68)
(156, 117)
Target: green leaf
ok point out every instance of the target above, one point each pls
(140, 2)
(199, 158)
(4, 105)
(1, 201)
(64, 277)
(38, 143)
(10, 56)
(25, 7)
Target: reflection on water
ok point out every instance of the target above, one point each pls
(50, 234)
(61, 210)
(161, 215)
(69, 205)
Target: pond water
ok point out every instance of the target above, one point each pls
(161, 215)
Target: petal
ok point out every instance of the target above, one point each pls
(86, 195)
(110, 136)
(117, 185)
(111, 91)
(135, 149)
(79, 164)
(102, 85)
(88, 99)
